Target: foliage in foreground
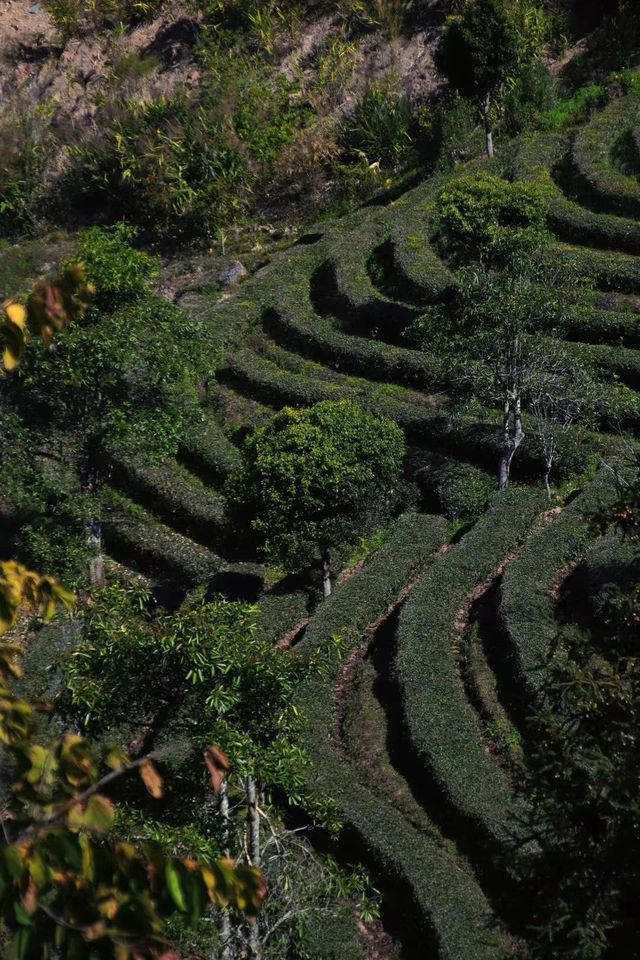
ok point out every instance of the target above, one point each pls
(584, 776)
(64, 888)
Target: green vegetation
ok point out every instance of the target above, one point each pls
(313, 478)
(270, 310)
(585, 733)
(477, 52)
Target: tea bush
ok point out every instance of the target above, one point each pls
(118, 272)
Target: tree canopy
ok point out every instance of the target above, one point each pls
(315, 477)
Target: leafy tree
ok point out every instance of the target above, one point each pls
(498, 231)
(483, 218)
(478, 50)
(585, 773)
(234, 689)
(64, 888)
(316, 477)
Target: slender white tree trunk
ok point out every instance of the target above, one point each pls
(512, 437)
(96, 563)
(326, 574)
(486, 106)
(225, 926)
(253, 828)
(503, 469)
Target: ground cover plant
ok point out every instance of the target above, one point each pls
(355, 515)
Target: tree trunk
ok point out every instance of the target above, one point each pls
(253, 827)
(97, 577)
(225, 925)
(503, 468)
(326, 574)
(485, 106)
(510, 443)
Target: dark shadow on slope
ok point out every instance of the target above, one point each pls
(489, 866)
(380, 319)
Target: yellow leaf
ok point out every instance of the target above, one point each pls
(152, 779)
(16, 314)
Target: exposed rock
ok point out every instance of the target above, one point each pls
(231, 274)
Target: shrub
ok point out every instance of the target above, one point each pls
(462, 490)
(605, 186)
(570, 221)
(379, 126)
(343, 287)
(119, 273)
(136, 538)
(69, 15)
(160, 164)
(180, 168)
(575, 109)
(531, 93)
(479, 214)
(314, 478)
(527, 608)
(207, 451)
(608, 270)
(26, 141)
(450, 137)
(172, 493)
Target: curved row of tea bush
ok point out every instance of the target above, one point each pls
(341, 286)
(421, 276)
(599, 326)
(208, 452)
(538, 154)
(443, 901)
(604, 185)
(135, 536)
(527, 604)
(442, 726)
(295, 326)
(607, 269)
(171, 493)
(445, 431)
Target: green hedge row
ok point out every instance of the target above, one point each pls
(358, 600)
(442, 899)
(449, 432)
(341, 286)
(457, 489)
(606, 186)
(417, 272)
(442, 726)
(575, 224)
(421, 276)
(171, 493)
(280, 613)
(293, 324)
(138, 539)
(620, 362)
(527, 605)
(240, 414)
(537, 155)
(607, 269)
(208, 452)
(593, 325)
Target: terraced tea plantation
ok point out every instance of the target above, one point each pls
(417, 731)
